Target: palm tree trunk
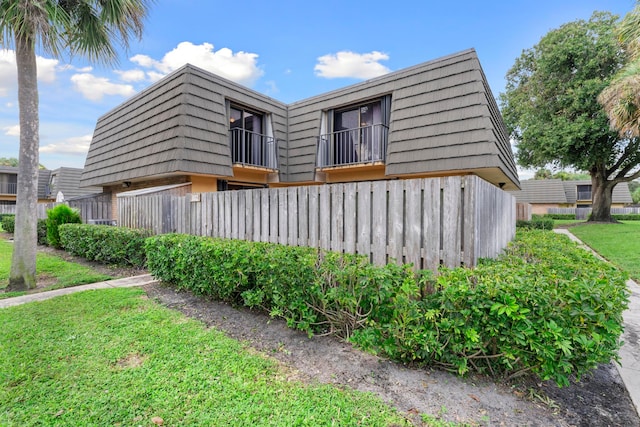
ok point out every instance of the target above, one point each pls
(23, 262)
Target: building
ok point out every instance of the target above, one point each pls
(438, 118)
(65, 180)
(9, 185)
(553, 193)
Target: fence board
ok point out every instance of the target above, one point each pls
(426, 222)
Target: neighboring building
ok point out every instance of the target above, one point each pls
(50, 182)
(543, 194)
(434, 119)
(9, 185)
(67, 180)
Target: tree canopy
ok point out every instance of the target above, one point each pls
(551, 109)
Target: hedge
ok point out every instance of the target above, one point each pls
(539, 223)
(104, 243)
(545, 307)
(61, 214)
(8, 222)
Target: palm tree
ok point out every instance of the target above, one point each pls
(621, 99)
(89, 28)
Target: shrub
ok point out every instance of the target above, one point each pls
(536, 222)
(560, 216)
(626, 217)
(8, 223)
(61, 214)
(545, 307)
(105, 243)
(42, 232)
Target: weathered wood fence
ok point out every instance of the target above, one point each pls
(427, 222)
(583, 213)
(92, 207)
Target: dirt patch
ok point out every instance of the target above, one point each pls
(598, 400)
(133, 360)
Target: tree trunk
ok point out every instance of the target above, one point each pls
(23, 262)
(602, 195)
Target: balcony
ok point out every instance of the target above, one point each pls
(8, 188)
(253, 149)
(359, 146)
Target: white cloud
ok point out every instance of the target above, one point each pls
(75, 146)
(95, 88)
(131, 75)
(12, 130)
(9, 76)
(351, 64)
(240, 67)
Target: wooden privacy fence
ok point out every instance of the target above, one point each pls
(427, 222)
(92, 207)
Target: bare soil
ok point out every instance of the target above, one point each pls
(597, 400)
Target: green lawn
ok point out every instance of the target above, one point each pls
(618, 243)
(54, 270)
(114, 357)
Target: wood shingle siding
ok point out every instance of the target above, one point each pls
(442, 118)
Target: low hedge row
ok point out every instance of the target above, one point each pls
(8, 223)
(626, 217)
(104, 243)
(538, 223)
(545, 307)
(560, 216)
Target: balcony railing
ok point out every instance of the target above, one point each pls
(367, 144)
(253, 149)
(584, 195)
(8, 188)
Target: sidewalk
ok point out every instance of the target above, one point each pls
(127, 282)
(629, 367)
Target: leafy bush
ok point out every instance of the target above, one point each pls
(537, 223)
(545, 307)
(626, 217)
(8, 223)
(61, 214)
(105, 243)
(42, 232)
(560, 216)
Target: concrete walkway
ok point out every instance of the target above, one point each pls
(629, 367)
(127, 282)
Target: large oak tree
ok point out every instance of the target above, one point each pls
(89, 28)
(551, 109)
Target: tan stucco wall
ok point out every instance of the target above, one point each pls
(203, 184)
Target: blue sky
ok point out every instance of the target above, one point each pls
(289, 50)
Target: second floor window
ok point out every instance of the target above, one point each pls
(355, 134)
(249, 143)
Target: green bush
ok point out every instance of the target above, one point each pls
(61, 214)
(42, 232)
(626, 217)
(545, 307)
(8, 223)
(537, 223)
(105, 243)
(560, 216)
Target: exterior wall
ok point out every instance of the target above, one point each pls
(203, 184)
(178, 125)
(443, 121)
(541, 208)
(443, 117)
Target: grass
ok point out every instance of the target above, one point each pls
(557, 222)
(618, 243)
(54, 270)
(114, 357)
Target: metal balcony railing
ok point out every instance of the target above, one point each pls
(367, 144)
(253, 149)
(8, 188)
(584, 195)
